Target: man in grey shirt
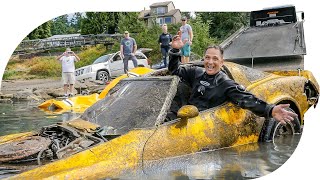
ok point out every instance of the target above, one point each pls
(128, 49)
(186, 35)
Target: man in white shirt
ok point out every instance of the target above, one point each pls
(67, 60)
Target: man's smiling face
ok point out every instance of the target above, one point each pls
(213, 61)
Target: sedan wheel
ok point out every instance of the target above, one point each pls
(273, 129)
(103, 76)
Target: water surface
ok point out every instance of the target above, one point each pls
(241, 162)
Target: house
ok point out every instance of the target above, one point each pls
(160, 13)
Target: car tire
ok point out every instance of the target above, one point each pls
(103, 76)
(272, 129)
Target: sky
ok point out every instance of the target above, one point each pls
(19, 18)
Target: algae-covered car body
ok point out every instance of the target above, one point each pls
(130, 126)
(80, 103)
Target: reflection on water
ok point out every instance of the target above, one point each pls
(242, 162)
(23, 117)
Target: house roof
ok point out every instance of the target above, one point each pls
(158, 4)
(146, 14)
(172, 12)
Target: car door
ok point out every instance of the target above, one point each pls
(142, 59)
(116, 65)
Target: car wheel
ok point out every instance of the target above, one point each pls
(273, 129)
(103, 76)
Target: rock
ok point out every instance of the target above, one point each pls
(6, 101)
(55, 92)
(59, 92)
(41, 93)
(98, 82)
(26, 95)
(6, 96)
(89, 87)
(97, 89)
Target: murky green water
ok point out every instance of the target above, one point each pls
(24, 116)
(242, 162)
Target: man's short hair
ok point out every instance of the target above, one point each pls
(184, 18)
(126, 32)
(215, 47)
(68, 49)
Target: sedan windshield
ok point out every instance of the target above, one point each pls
(102, 59)
(133, 103)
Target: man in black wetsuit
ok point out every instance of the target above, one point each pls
(211, 87)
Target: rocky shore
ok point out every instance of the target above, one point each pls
(39, 90)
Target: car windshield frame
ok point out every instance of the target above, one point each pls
(146, 111)
(102, 59)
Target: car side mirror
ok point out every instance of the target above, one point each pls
(186, 112)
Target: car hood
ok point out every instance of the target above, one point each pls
(84, 67)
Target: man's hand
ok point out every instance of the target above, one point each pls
(177, 42)
(282, 115)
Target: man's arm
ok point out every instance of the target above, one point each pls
(185, 72)
(134, 46)
(77, 57)
(190, 34)
(135, 49)
(59, 57)
(159, 40)
(174, 67)
(121, 51)
(238, 95)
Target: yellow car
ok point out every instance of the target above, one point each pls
(80, 103)
(132, 125)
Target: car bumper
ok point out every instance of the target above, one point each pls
(87, 76)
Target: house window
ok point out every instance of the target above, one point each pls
(161, 10)
(168, 20)
(159, 21)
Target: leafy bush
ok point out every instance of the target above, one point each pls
(45, 67)
(8, 74)
(88, 55)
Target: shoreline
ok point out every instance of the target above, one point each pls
(14, 86)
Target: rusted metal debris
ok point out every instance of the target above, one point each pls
(29, 146)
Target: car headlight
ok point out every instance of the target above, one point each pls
(89, 69)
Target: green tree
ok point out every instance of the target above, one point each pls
(146, 37)
(60, 25)
(223, 24)
(94, 23)
(41, 32)
(201, 37)
(75, 22)
(129, 21)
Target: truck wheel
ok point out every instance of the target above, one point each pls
(272, 129)
(103, 76)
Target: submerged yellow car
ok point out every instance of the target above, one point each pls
(132, 125)
(80, 103)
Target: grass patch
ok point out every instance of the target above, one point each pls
(48, 66)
